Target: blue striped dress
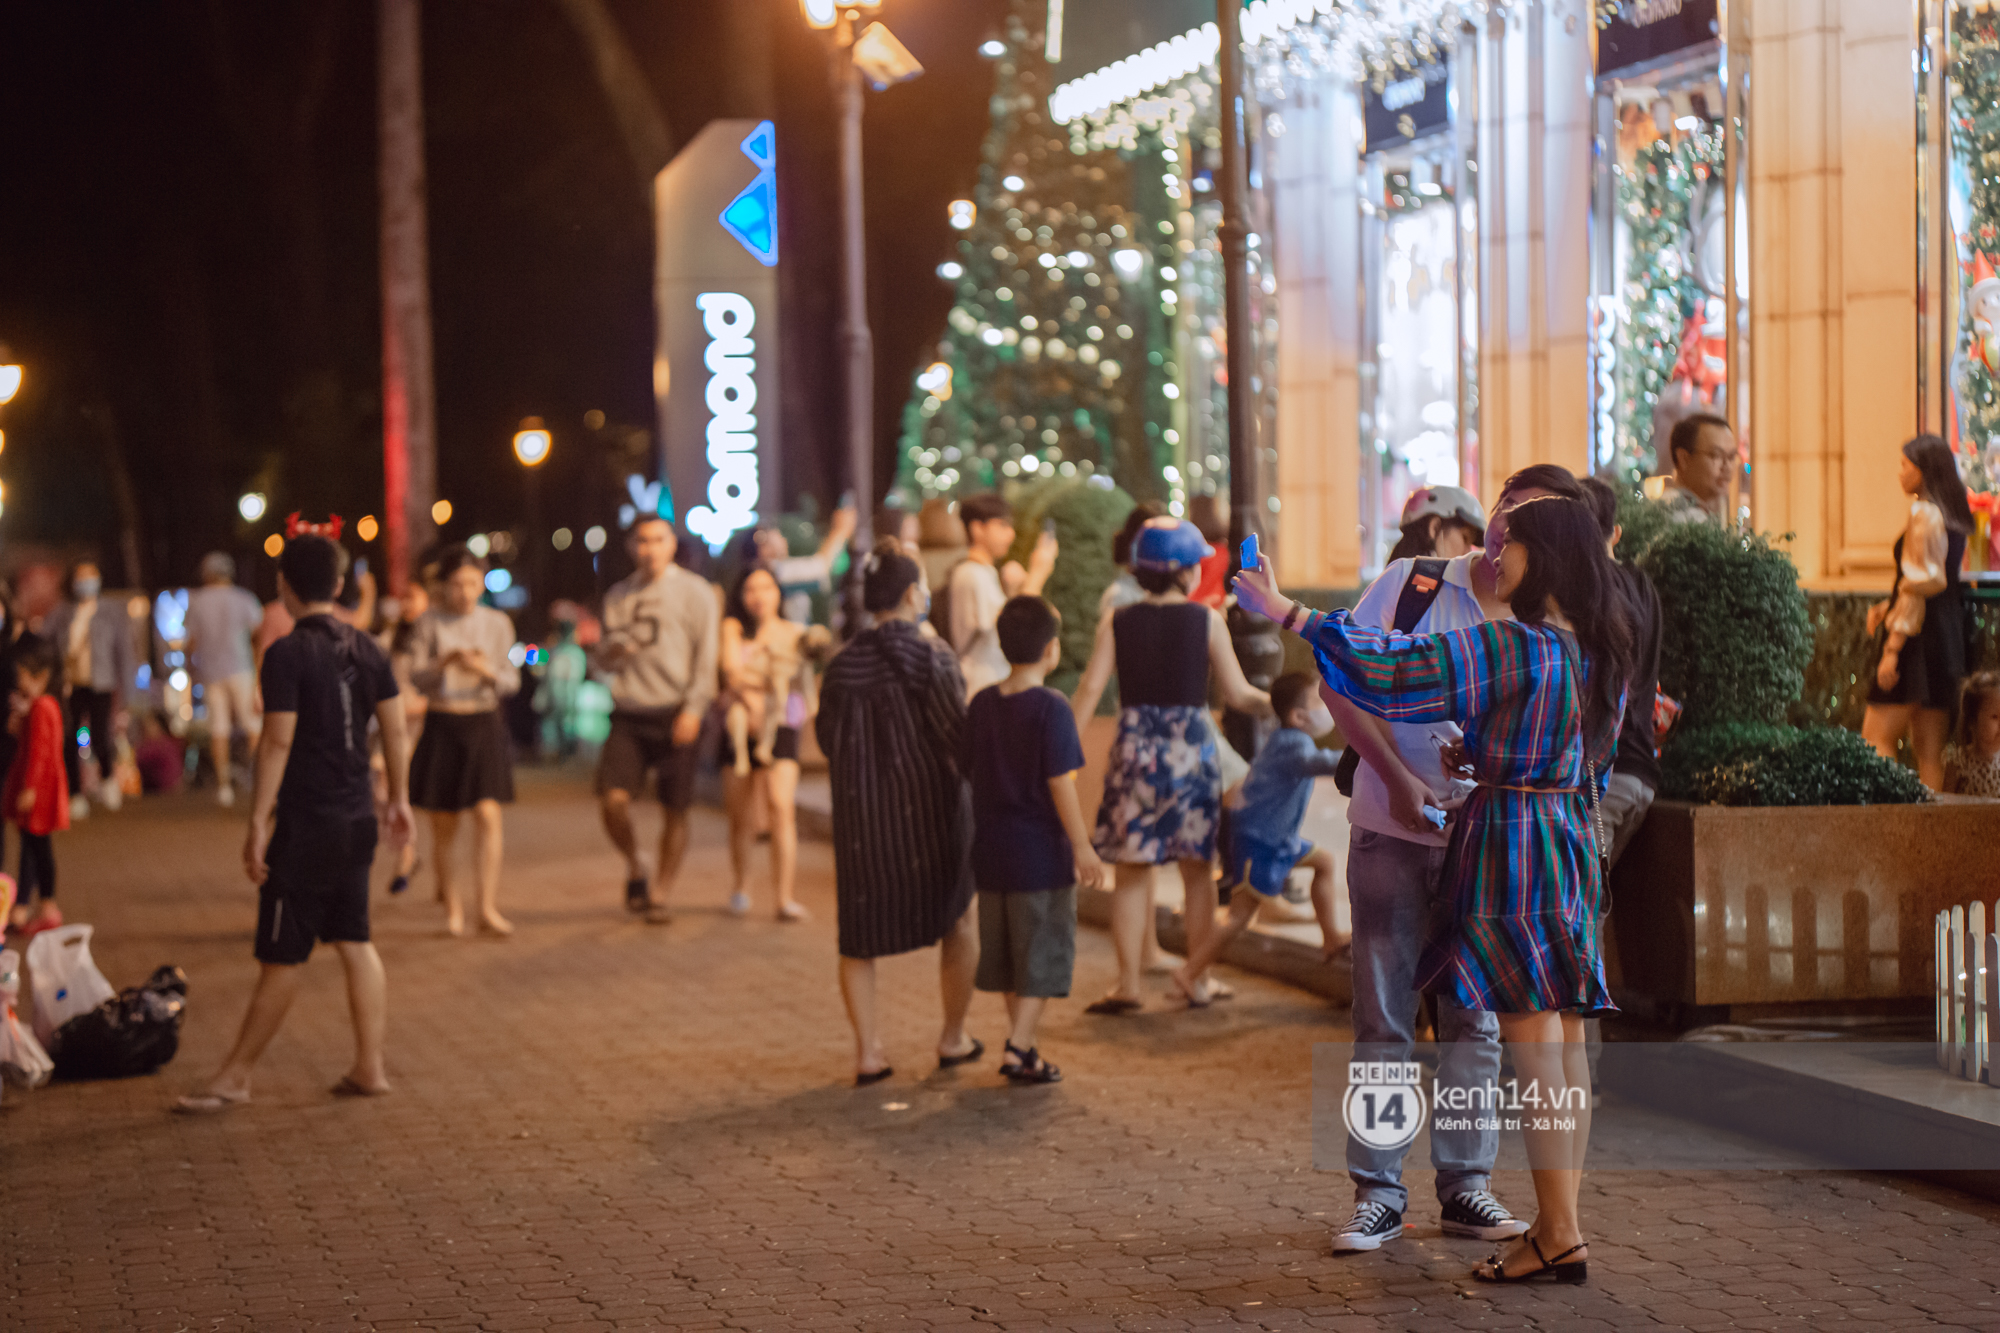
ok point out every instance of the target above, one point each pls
(1526, 885)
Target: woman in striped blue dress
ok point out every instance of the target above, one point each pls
(1541, 698)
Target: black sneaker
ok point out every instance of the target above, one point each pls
(1480, 1216)
(1371, 1226)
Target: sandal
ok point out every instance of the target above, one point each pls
(636, 898)
(870, 1080)
(970, 1057)
(1113, 1004)
(350, 1087)
(1187, 992)
(1031, 1067)
(1561, 1272)
(207, 1103)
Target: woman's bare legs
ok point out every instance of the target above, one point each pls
(739, 797)
(1929, 730)
(958, 962)
(1884, 724)
(1548, 1051)
(488, 853)
(1198, 899)
(857, 988)
(1131, 926)
(781, 800)
(444, 830)
(1152, 958)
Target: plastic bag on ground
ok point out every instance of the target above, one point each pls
(133, 1033)
(23, 1062)
(64, 979)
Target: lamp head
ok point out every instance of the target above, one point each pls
(820, 13)
(10, 374)
(532, 442)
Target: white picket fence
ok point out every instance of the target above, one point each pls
(1968, 992)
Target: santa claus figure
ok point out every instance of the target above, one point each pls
(1985, 304)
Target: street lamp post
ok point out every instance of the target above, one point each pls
(885, 62)
(1257, 644)
(532, 445)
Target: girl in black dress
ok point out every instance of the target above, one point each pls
(1930, 665)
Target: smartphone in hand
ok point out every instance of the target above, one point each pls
(1251, 558)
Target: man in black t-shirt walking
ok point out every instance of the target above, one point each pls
(312, 823)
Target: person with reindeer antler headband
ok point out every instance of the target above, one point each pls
(357, 594)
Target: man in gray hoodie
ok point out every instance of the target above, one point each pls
(661, 630)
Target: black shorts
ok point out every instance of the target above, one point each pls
(785, 745)
(640, 742)
(317, 889)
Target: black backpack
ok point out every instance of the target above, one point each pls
(1426, 581)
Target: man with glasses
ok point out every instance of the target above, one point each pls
(1702, 450)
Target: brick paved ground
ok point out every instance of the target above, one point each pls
(604, 1125)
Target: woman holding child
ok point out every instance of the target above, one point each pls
(1541, 699)
(762, 666)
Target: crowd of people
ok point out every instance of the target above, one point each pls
(1496, 689)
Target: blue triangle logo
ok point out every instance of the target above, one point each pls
(752, 218)
(759, 147)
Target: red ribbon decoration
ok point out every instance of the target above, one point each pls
(329, 529)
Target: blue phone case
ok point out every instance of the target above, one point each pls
(1249, 552)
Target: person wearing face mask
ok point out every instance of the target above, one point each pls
(892, 722)
(98, 668)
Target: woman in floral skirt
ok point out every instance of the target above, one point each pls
(1163, 787)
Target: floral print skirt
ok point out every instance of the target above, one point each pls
(1162, 789)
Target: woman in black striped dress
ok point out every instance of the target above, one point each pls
(891, 711)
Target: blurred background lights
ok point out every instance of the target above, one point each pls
(963, 214)
(10, 380)
(935, 380)
(1015, 183)
(993, 48)
(1129, 263)
(532, 442)
(251, 504)
(951, 270)
(441, 512)
(498, 580)
(273, 544)
(367, 529)
(478, 544)
(593, 539)
(560, 539)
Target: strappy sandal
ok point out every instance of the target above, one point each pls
(1555, 1267)
(1031, 1069)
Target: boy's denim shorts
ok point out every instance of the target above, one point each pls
(1027, 942)
(1262, 869)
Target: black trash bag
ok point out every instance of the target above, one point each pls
(135, 1033)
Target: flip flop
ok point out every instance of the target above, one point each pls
(347, 1087)
(1114, 1005)
(1186, 993)
(207, 1103)
(636, 897)
(870, 1080)
(970, 1057)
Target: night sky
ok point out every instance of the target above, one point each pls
(188, 254)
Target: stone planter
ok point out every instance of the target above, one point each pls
(1815, 909)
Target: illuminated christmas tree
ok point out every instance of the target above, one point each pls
(1975, 154)
(1057, 305)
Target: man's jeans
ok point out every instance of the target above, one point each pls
(1394, 888)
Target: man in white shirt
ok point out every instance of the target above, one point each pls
(980, 586)
(1395, 871)
(800, 576)
(221, 618)
(661, 641)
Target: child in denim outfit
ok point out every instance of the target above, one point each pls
(1266, 846)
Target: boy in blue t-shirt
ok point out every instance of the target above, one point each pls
(1265, 846)
(1030, 848)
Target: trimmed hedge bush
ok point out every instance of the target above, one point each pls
(1087, 517)
(1738, 651)
(1758, 764)
(1736, 640)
